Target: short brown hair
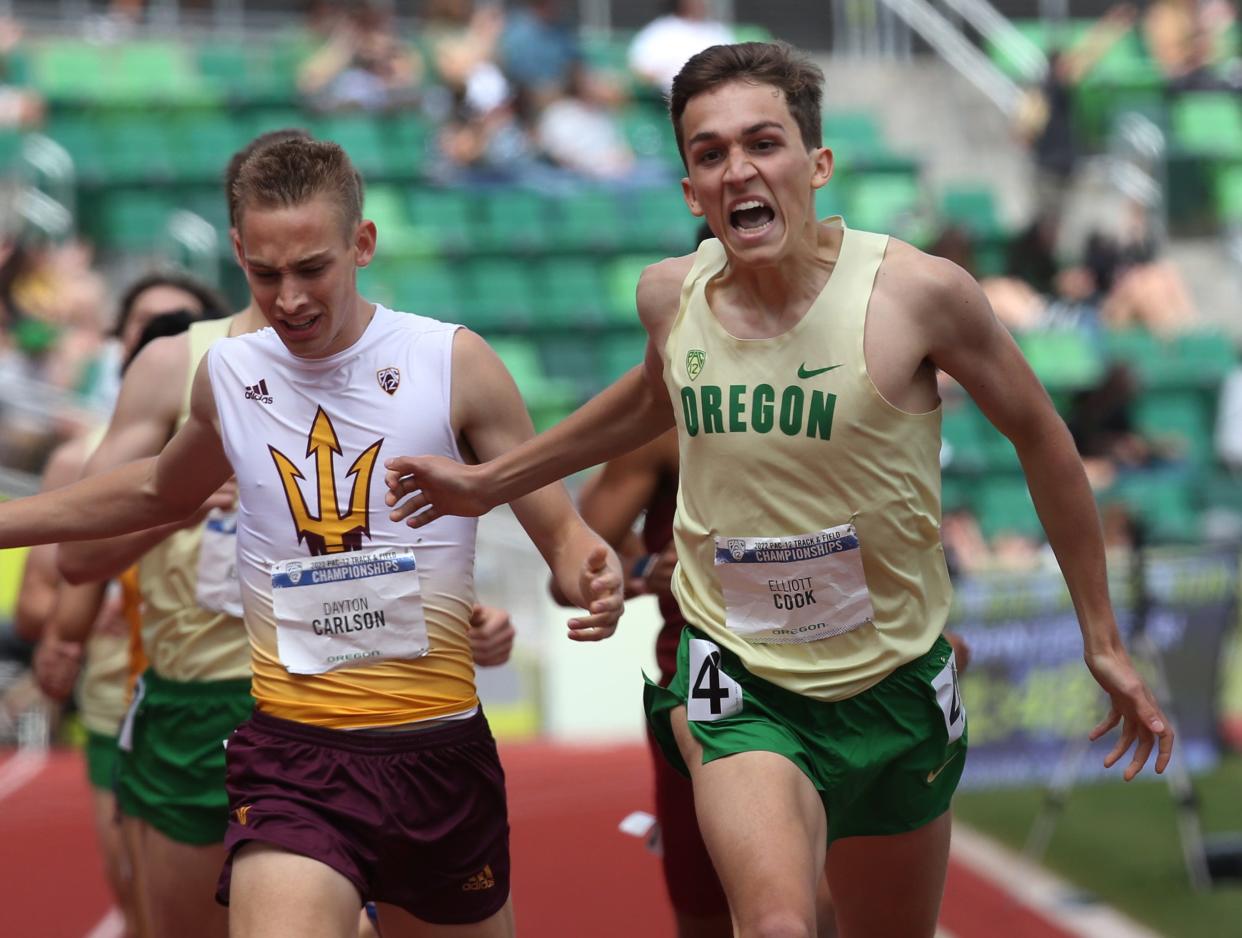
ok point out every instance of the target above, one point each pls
(238, 158)
(768, 63)
(294, 171)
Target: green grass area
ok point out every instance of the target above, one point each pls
(1120, 843)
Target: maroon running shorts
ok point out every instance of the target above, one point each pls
(416, 819)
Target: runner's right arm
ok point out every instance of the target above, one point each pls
(145, 417)
(628, 413)
(134, 496)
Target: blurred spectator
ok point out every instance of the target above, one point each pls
(363, 64)
(156, 295)
(582, 135)
(480, 145)
(1136, 285)
(19, 107)
(1101, 421)
(463, 41)
(1190, 43)
(50, 303)
(661, 48)
(540, 53)
(1046, 118)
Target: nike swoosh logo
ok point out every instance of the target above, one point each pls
(932, 776)
(804, 374)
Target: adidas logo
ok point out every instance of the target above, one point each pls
(480, 880)
(258, 392)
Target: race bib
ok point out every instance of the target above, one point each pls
(348, 610)
(949, 697)
(712, 695)
(219, 588)
(783, 590)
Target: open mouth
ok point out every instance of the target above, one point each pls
(301, 325)
(751, 216)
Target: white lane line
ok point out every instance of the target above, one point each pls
(1039, 889)
(20, 769)
(111, 925)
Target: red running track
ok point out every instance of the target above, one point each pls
(575, 874)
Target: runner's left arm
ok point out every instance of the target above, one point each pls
(965, 339)
(491, 419)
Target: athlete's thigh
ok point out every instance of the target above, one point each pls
(765, 828)
(275, 894)
(890, 886)
(180, 880)
(132, 831)
(395, 922)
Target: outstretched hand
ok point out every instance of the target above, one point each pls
(1134, 707)
(436, 486)
(604, 599)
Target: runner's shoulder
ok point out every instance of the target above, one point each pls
(659, 287)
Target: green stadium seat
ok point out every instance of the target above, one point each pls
(82, 137)
(620, 283)
(1141, 351)
(204, 141)
(152, 70)
(887, 202)
(1063, 359)
(406, 139)
(853, 136)
(386, 205)
(137, 148)
(588, 220)
(574, 360)
(1004, 507)
(72, 70)
(134, 220)
(962, 429)
(1163, 502)
(426, 288)
(547, 398)
(10, 148)
(502, 295)
(1208, 124)
(1180, 419)
(1229, 194)
(360, 135)
(972, 208)
(658, 220)
(265, 120)
(621, 351)
(996, 451)
(446, 216)
(513, 221)
(572, 294)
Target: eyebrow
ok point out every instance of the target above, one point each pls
(300, 262)
(746, 132)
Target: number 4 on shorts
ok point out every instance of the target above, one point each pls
(713, 694)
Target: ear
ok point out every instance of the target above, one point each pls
(692, 200)
(824, 162)
(238, 254)
(365, 237)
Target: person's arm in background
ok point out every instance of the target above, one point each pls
(145, 418)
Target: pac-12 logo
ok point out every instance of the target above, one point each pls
(388, 379)
(294, 572)
(737, 547)
(695, 359)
